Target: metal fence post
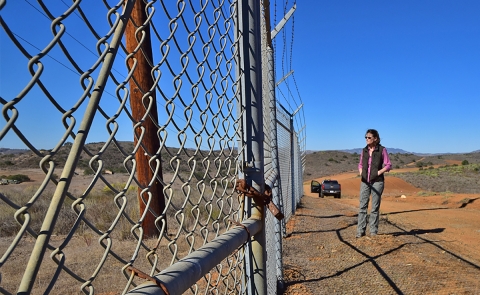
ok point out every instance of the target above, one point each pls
(277, 198)
(252, 121)
(58, 197)
(275, 189)
(292, 155)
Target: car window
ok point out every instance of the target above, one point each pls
(331, 182)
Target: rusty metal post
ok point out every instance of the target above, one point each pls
(144, 111)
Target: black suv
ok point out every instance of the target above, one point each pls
(330, 187)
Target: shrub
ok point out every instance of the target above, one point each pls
(88, 171)
(425, 194)
(464, 162)
(18, 177)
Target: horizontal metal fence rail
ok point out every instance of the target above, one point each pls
(177, 278)
(131, 116)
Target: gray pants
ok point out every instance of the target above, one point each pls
(375, 189)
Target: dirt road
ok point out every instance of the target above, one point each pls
(426, 245)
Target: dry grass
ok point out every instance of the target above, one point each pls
(192, 221)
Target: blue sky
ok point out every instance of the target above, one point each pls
(410, 69)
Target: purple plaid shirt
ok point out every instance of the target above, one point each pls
(386, 162)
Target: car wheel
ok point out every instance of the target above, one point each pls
(338, 196)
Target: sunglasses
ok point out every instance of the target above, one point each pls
(368, 137)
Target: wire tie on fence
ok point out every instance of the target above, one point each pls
(241, 186)
(145, 276)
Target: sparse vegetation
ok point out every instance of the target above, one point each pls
(453, 178)
(17, 177)
(426, 194)
(435, 173)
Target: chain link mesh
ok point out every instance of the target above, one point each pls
(70, 105)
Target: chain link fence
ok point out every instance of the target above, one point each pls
(132, 122)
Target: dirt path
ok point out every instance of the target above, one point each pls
(427, 245)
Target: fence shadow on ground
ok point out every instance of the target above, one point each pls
(345, 239)
(418, 232)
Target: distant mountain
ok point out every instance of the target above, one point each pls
(393, 151)
(6, 151)
(390, 150)
(359, 150)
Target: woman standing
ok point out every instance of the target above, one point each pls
(374, 162)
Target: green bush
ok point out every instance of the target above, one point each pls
(18, 177)
(464, 162)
